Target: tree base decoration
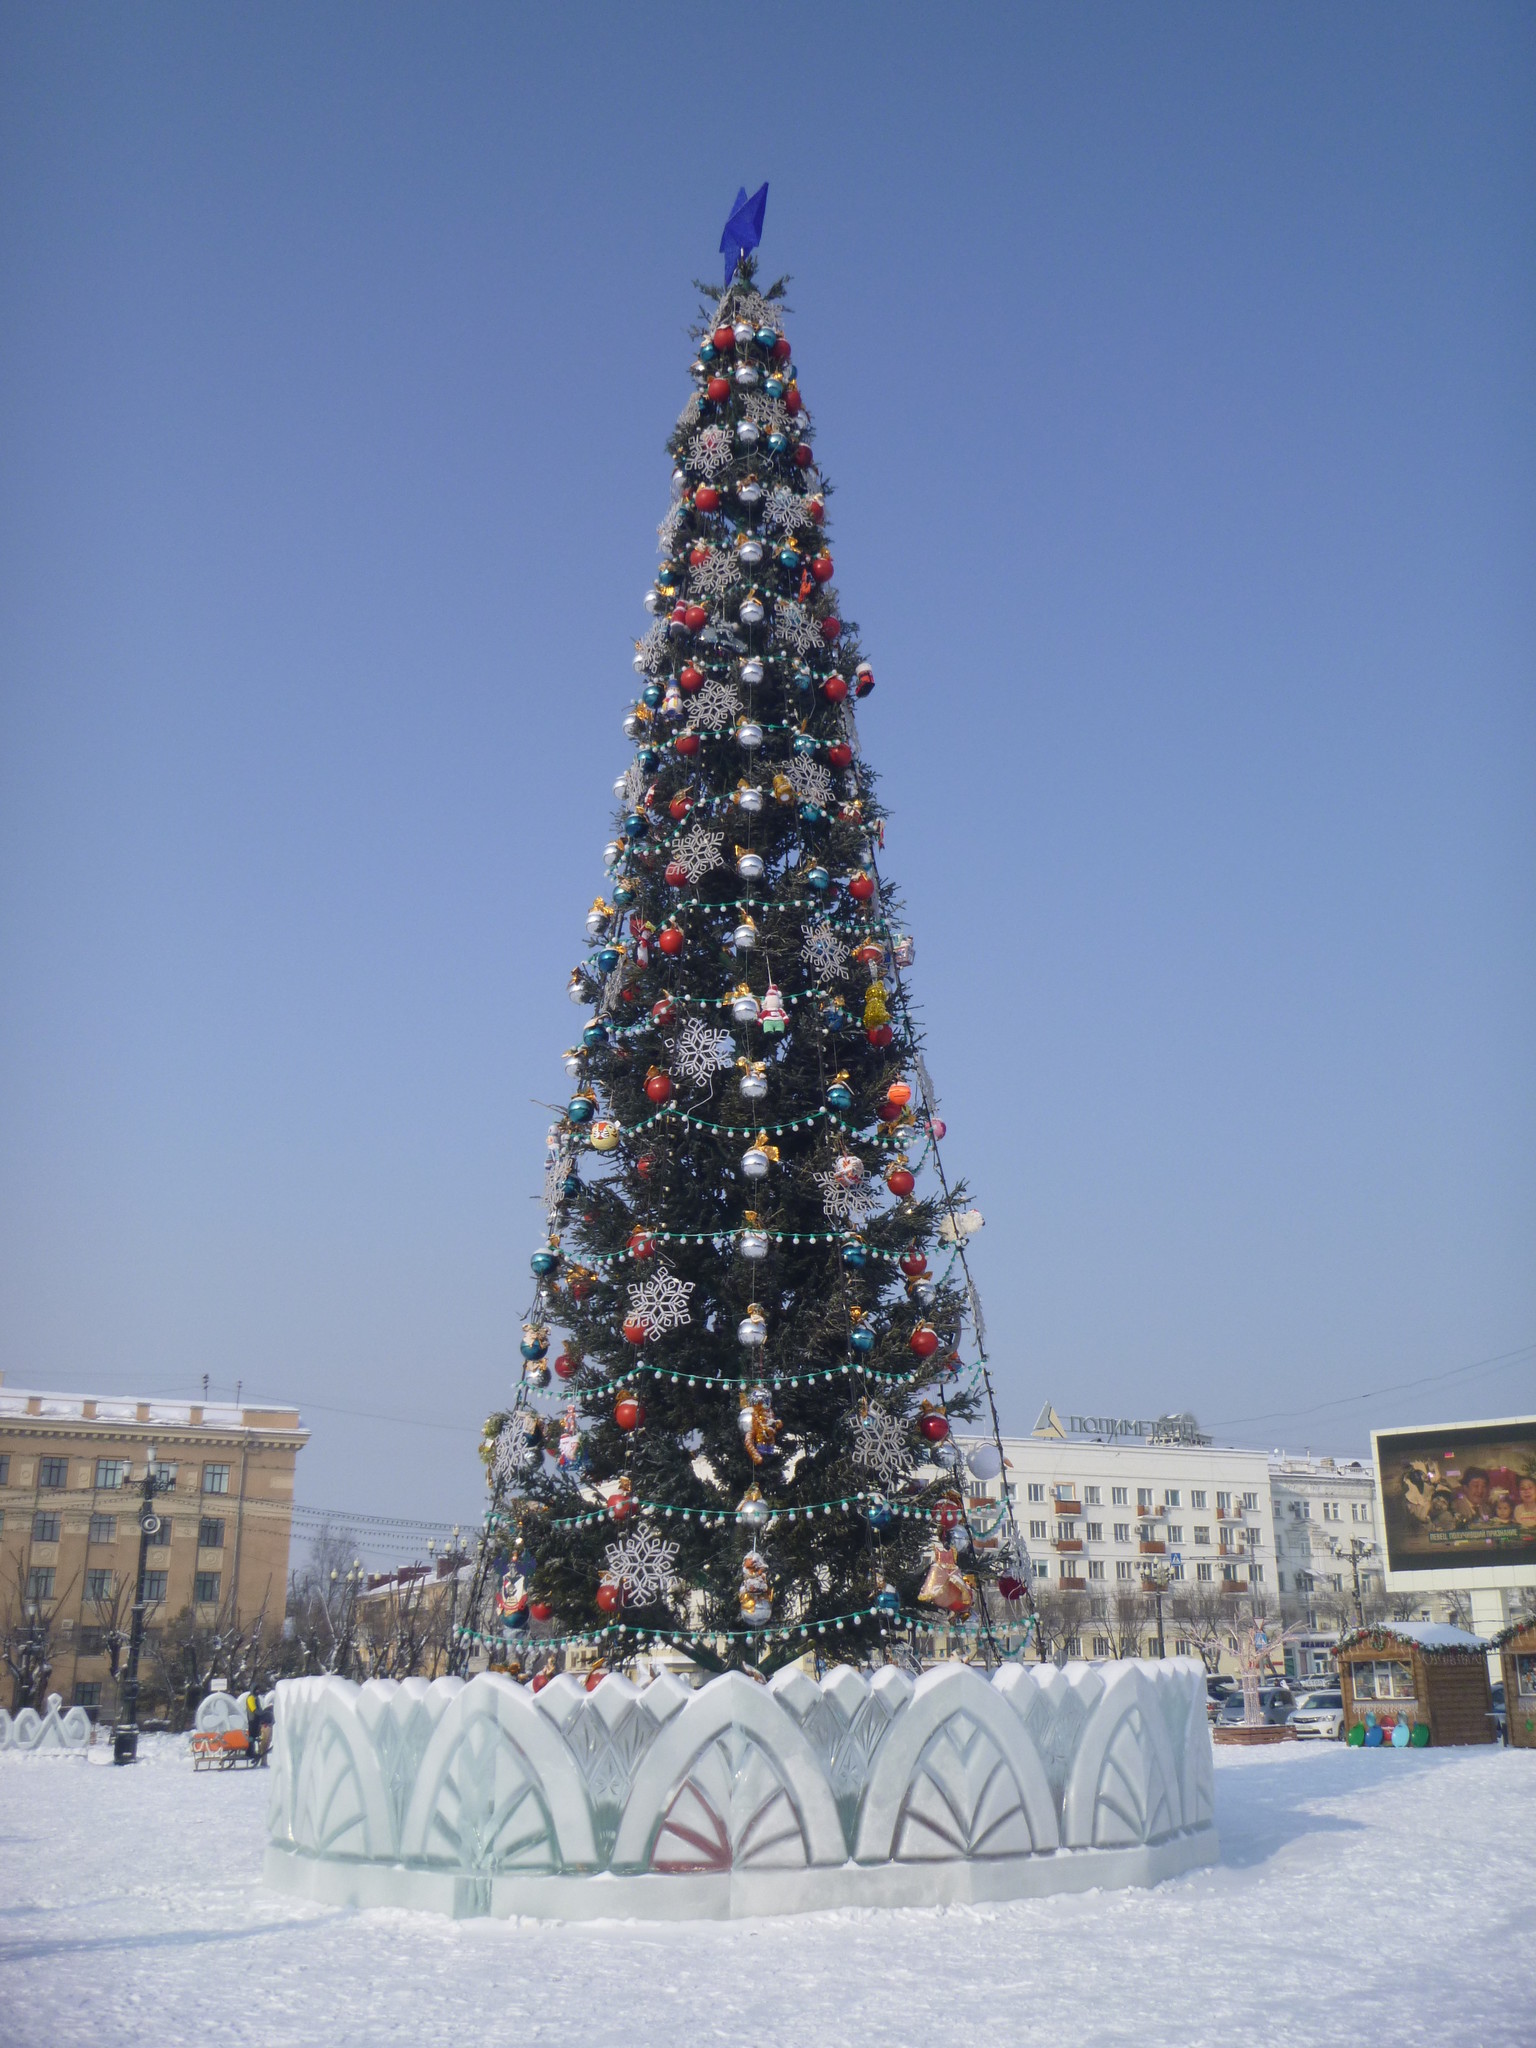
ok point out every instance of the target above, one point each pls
(662, 1802)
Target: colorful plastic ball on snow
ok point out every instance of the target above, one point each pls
(924, 1341)
(658, 1086)
(628, 1412)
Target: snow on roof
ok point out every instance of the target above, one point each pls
(17, 1401)
(1429, 1635)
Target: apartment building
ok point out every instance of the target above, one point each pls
(69, 1520)
(1326, 1531)
(1105, 1517)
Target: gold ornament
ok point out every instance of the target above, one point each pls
(875, 1011)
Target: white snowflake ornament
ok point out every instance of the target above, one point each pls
(710, 451)
(715, 706)
(880, 1444)
(661, 1302)
(847, 1198)
(642, 1564)
(698, 1052)
(697, 851)
(825, 955)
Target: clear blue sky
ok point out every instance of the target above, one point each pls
(1175, 367)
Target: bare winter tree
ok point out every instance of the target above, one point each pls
(1059, 1618)
(29, 1631)
(1206, 1615)
(1125, 1619)
(192, 1650)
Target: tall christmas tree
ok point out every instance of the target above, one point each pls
(743, 1445)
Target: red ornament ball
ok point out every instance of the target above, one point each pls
(610, 1598)
(628, 1412)
(718, 388)
(793, 402)
(679, 808)
(565, 1365)
(676, 875)
(686, 744)
(934, 1427)
(707, 498)
(821, 567)
(901, 1182)
(621, 1506)
(636, 1330)
(861, 887)
(724, 339)
(803, 456)
(641, 1245)
(645, 1166)
(923, 1342)
(695, 616)
(781, 349)
(880, 1034)
(663, 1011)
(840, 755)
(670, 939)
(539, 1610)
(658, 1087)
(830, 629)
(888, 1111)
(834, 689)
(817, 507)
(690, 680)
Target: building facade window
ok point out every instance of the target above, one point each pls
(1175, 1532)
(40, 1582)
(1251, 1503)
(53, 1473)
(1203, 1573)
(210, 1533)
(154, 1585)
(165, 1475)
(1172, 1497)
(98, 1583)
(111, 1473)
(1202, 1532)
(1223, 1503)
(45, 1527)
(1091, 1497)
(1118, 1497)
(215, 1479)
(1095, 1569)
(1122, 1532)
(1360, 1511)
(87, 1692)
(1176, 1568)
(1389, 1679)
(205, 1588)
(5, 1470)
(1258, 1573)
(1037, 1490)
(1124, 1570)
(103, 1529)
(1095, 1532)
(1037, 1532)
(1197, 1498)
(1143, 1496)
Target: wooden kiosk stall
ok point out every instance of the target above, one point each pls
(1516, 1646)
(1415, 1682)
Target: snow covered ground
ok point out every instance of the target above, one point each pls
(1363, 1897)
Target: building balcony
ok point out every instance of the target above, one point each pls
(1066, 1507)
(1071, 1584)
(1069, 1542)
(1152, 1549)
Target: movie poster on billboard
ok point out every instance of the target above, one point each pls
(1459, 1496)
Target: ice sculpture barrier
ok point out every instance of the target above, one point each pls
(662, 1802)
(54, 1729)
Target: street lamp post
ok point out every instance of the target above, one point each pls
(1156, 1579)
(125, 1733)
(1354, 1556)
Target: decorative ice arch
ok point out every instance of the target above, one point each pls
(661, 1802)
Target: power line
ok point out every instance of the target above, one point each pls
(1375, 1393)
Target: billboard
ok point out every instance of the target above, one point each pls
(1458, 1502)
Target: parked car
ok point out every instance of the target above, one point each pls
(1275, 1703)
(1500, 1713)
(1320, 1714)
(1216, 1690)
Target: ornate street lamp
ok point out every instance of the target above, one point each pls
(125, 1733)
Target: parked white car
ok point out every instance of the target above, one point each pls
(1320, 1714)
